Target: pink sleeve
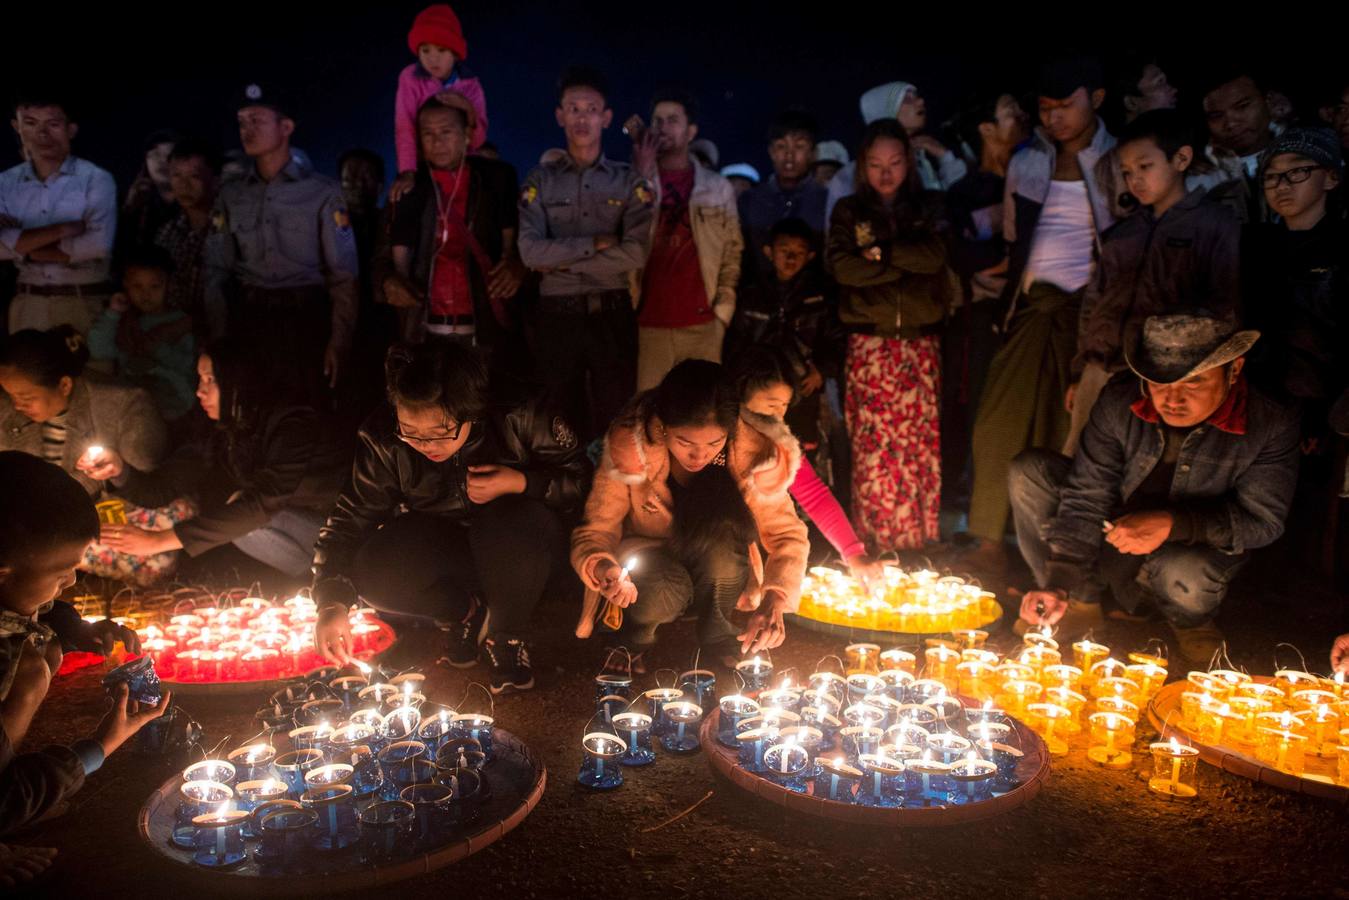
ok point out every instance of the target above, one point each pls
(819, 503)
(471, 88)
(405, 120)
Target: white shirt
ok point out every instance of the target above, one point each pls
(77, 190)
(1065, 238)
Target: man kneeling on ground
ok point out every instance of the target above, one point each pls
(1176, 480)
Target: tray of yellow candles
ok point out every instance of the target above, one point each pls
(347, 794)
(1289, 730)
(901, 602)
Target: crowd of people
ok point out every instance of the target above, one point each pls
(1103, 314)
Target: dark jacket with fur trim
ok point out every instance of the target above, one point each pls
(630, 502)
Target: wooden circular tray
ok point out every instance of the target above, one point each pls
(385, 640)
(1319, 780)
(517, 780)
(1033, 770)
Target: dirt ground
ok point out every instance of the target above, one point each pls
(1090, 832)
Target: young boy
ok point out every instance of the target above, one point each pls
(48, 522)
(151, 344)
(796, 313)
(788, 192)
(1178, 250)
(437, 40)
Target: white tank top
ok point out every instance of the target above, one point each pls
(1064, 238)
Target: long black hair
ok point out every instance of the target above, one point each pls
(45, 357)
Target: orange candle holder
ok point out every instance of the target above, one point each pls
(1111, 737)
(1282, 749)
(1174, 769)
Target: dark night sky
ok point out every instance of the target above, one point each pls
(134, 72)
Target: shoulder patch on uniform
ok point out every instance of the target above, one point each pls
(643, 193)
(863, 234)
(614, 201)
(529, 195)
(219, 219)
(342, 219)
(562, 433)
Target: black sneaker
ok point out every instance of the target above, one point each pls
(509, 661)
(464, 638)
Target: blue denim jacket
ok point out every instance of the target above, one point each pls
(1235, 484)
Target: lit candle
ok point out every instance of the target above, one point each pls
(1174, 766)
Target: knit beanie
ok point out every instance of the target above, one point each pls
(437, 24)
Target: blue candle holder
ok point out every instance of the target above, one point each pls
(635, 729)
(611, 683)
(386, 831)
(824, 720)
(431, 811)
(1006, 758)
(464, 752)
(197, 798)
(218, 840)
(609, 706)
(924, 689)
(393, 756)
(755, 673)
(950, 713)
(882, 781)
(476, 726)
(753, 742)
(367, 778)
(926, 783)
(787, 764)
(599, 764)
(249, 795)
(253, 827)
(435, 729)
(780, 698)
(699, 686)
(734, 710)
(316, 712)
(924, 717)
(403, 775)
(252, 762)
(810, 739)
(831, 683)
(310, 737)
(292, 767)
(470, 792)
(400, 725)
(337, 825)
(837, 781)
(948, 748)
(907, 733)
(862, 683)
(286, 836)
(348, 688)
(344, 740)
(897, 683)
(860, 740)
(683, 716)
(864, 715)
(972, 781)
(888, 706)
(141, 679)
(217, 770)
(657, 699)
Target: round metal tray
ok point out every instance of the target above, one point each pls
(517, 779)
(1033, 770)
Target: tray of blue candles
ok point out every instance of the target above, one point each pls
(930, 761)
(356, 786)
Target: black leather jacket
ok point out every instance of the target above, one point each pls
(389, 478)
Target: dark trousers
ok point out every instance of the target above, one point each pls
(430, 566)
(1186, 582)
(587, 362)
(668, 586)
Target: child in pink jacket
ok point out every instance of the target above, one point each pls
(437, 40)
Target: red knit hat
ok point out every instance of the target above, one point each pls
(437, 24)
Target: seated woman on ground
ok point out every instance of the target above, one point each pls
(767, 387)
(690, 491)
(261, 473)
(54, 410)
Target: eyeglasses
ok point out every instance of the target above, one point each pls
(416, 440)
(1292, 176)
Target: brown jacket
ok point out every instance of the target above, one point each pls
(630, 504)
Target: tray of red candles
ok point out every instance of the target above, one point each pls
(1283, 730)
(248, 644)
(950, 781)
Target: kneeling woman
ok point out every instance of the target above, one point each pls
(261, 476)
(452, 512)
(690, 491)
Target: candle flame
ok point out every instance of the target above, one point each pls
(221, 810)
(1175, 746)
(364, 667)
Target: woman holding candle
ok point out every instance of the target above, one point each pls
(261, 475)
(452, 512)
(47, 524)
(52, 408)
(692, 490)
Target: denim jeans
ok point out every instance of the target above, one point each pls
(285, 543)
(1186, 582)
(668, 586)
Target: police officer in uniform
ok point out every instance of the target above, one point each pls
(281, 260)
(585, 224)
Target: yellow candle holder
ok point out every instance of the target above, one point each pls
(1323, 726)
(1247, 709)
(899, 659)
(1038, 656)
(1284, 750)
(1191, 704)
(1214, 722)
(1042, 638)
(939, 664)
(1014, 671)
(1311, 699)
(1087, 654)
(1070, 700)
(975, 679)
(1016, 695)
(1294, 680)
(1044, 719)
(1114, 704)
(1106, 668)
(1230, 678)
(1342, 771)
(974, 654)
(1272, 693)
(1336, 685)
(1150, 677)
(1111, 737)
(970, 638)
(1204, 683)
(1061, 675)
(1144, 658)
(864, 658)
(1174, 769)
(1124, 688)
(1286, 721)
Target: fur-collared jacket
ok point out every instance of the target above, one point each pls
(630, 506)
